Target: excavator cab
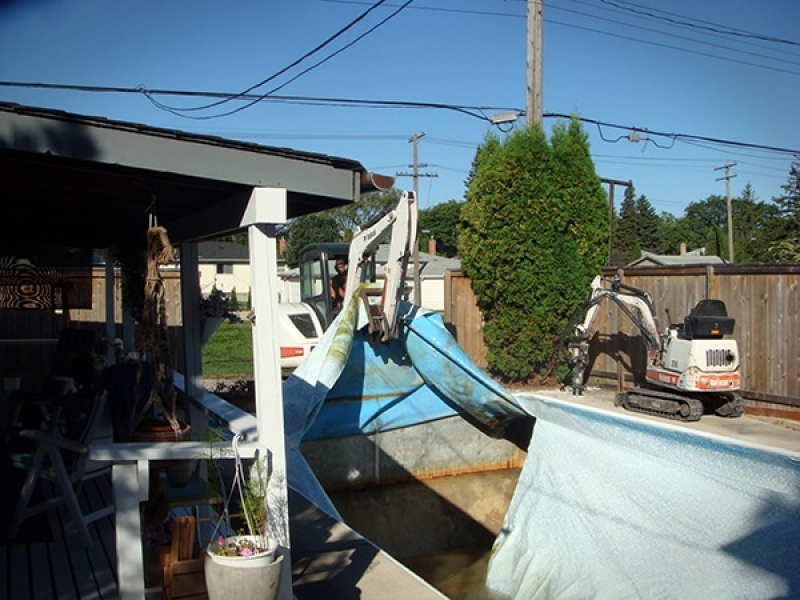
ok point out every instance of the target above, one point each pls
(708, 320)
(316, 270)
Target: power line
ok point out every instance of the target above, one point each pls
(695, 23)
(180, 111)
(470, 110)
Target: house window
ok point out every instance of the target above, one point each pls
(224, 269)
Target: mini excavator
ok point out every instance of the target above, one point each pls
(691, 368)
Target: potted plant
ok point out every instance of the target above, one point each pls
(214, 309)
(245, 565)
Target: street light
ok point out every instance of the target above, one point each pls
(504, 120)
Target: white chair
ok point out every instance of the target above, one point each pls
(61, 456)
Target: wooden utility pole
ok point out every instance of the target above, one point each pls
(415, 175)
(727, 178)
(535, 28)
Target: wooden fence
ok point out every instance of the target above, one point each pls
(764, 300)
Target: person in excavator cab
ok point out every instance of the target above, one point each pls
(338, 284)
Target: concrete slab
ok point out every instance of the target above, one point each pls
(745, 430)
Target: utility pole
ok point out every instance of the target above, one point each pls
(535, 29)
(727, 178)
(415, 175)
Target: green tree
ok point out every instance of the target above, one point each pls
(440, 222)
(648, 225)
(533, 234)
(708, 221)
(625, 244)
(751, 220)
(234, 300)
(675, 232)
(786, 247)
(310, 229)
(363, 212)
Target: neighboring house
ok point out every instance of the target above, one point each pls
(226, 266)
(431, 274)
(685, 259)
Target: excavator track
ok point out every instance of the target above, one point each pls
(730, 406)
(662, 404)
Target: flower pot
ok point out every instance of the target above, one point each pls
(254, 577)
(210, 325)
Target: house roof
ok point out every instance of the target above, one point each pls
(648, 259)
(431, 265)
(90, 182)
(219, 251)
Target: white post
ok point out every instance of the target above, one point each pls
(267, 208)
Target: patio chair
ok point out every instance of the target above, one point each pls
(72, 353)
(60, 456)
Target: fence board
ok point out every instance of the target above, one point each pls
(463, 317)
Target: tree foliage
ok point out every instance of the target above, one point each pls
(624, 241)
(786, 233)
(533, 234)
(440, 222)
(336, 225)
(310, 229)
(369, 208)
(648, 225)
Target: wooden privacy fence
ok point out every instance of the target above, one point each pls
(764, 300)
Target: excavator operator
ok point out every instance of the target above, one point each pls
(339, 283)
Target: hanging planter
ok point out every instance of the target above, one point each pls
(244, 566)
(245, 578)
(209, 326)
(214, 309)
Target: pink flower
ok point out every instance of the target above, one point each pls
(246, 552)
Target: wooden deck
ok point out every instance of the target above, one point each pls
(62, 567)
(329, 560)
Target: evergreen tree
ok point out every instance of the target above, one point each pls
(234, 300)
(625, 245)
(533, 233)
(751, 220)
(648, 225)
(786, 247)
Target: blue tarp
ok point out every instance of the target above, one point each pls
(349, 387)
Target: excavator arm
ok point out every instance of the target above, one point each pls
(636, 304)
(401, 221)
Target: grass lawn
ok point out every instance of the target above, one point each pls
(229, 352)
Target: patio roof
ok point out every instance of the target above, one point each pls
(90, 182)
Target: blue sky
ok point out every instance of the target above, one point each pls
(638, 64)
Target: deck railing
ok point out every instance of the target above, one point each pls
(131, 468)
